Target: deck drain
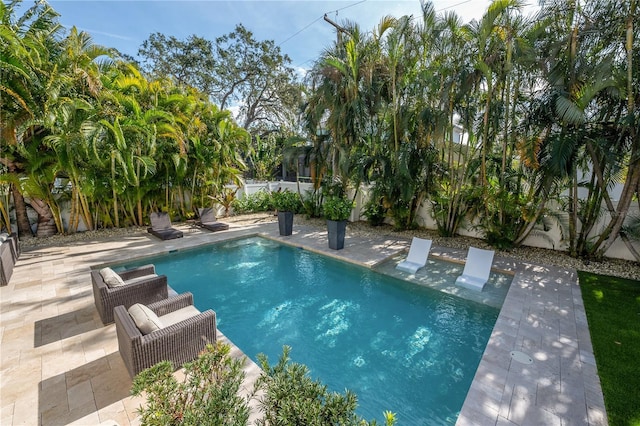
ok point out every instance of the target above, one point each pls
(521, 357)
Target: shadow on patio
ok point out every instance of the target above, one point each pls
(82, 392)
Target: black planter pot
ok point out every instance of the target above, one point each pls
(336, 231)
(285, 223)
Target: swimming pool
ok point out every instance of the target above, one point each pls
(398, 346)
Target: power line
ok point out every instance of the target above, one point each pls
(346, 7)
(298, 32)
(317, 19)
(453, 5)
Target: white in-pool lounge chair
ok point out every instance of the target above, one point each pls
(476, 269)
(417, 257)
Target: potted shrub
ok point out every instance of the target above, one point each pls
(286, 203)
(337, 210)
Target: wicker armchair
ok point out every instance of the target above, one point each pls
(179, 343)
(145, 291)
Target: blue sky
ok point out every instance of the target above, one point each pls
(126, 24)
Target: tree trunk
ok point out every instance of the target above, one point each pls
(114, 192)
(531, 224)
(485, 136)
(633, 174)
(24, 228)
(573, 213)
(46, 222)
(612, 231)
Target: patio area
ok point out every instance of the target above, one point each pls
(60, 365)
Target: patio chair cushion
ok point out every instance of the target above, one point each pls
(160, 221)
(207, 215)
(111, 278)
(179, 315)
(144, 318)
(208, 220)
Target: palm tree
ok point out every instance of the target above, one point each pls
(38, 183)
(455, 76)
(72, 153)
(337, 102)
(628, 141)
(581, 121)
(81, 86)
(24, 57)
(488, 55)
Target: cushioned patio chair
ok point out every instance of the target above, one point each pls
(169, 330)
(6, 262)
(13, 242)
(417, 257)
(477, 269)
(138, 285)
(161, 226)
(207, 220)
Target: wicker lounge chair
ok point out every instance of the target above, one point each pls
(417, 257)
(141, 285)
(208, 220)
(161, 226)
(477, 269)
(178, 342)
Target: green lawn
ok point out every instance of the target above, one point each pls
(613, 311)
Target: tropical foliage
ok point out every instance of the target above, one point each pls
(547, 107)
(82, 126)
(260, 201)
(508, 124)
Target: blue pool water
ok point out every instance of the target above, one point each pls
(398, 346)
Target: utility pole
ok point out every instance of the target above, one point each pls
(339, 28)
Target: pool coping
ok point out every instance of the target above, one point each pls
(542, 316)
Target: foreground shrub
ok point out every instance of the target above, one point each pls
(291, 397)
(208, 395)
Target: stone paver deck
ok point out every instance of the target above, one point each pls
(59, 364)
